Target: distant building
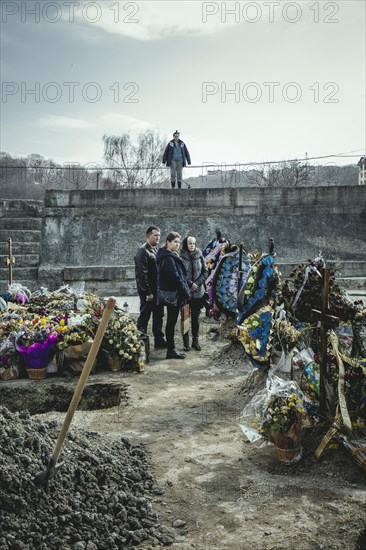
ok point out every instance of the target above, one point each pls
(362, 171)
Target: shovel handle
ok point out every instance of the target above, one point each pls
(83, 379)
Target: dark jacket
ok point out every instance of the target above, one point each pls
(145, 270)
(197, 271)
(172, 274)
(168, 153)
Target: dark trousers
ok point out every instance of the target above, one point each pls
(171, 321)
(146, 309)
(195, 305)
(176, 171)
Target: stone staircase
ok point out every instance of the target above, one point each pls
(22, 222)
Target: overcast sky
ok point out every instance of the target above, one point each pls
(296, 71)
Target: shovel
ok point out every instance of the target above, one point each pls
(53, 467)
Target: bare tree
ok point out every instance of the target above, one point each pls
(42, 172)
(285, 174)
(138, 164)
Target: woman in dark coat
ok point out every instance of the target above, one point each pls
(197, 273)
(172, 275)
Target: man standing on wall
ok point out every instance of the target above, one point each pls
(176, 156)
(146, 282)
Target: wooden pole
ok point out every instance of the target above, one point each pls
(327, 321)
(324, 341)
(10, 261)
(240, 265)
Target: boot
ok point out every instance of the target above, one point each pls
(186, 341)
(175, 354)
(196, 344)
(179, 185)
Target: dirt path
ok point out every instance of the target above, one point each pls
(220, 492)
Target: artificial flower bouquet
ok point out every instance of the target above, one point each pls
(255, 333)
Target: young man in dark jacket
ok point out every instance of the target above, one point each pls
(146, 282)
(176, 156)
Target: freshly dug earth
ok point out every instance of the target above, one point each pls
(99, 500)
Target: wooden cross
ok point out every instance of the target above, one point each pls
(10, 261)
(327, 321)
(239, 273)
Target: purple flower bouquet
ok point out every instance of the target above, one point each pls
(39, 354)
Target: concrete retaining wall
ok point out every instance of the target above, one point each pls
(93, 235)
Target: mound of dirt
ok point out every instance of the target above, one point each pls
(100, 499)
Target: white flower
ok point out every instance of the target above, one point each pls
(111, 341)
(251, 280)
(247, 292)
(120, 352)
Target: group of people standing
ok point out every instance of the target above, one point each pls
(169, 269)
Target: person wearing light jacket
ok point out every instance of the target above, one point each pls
(176, 156)
(197, 273)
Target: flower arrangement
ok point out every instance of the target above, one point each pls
(17, 293)
(64, 323)
(9, 358)
(258, 285)
(282, 421)
(73, 330)
(255, 334)
(39, 354)
(286, 335)
(302, 292)
(121, 338)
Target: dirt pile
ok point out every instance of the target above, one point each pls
(99, 500)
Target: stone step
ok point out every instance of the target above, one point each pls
(20, 274)
(21, 260)
(15, 208)
(356, 295)
(26, 248)
(19, 236)
(20, 248)
(346, 268)
(352, 283)
(111, 281)
(23, 224)
(99, 273)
